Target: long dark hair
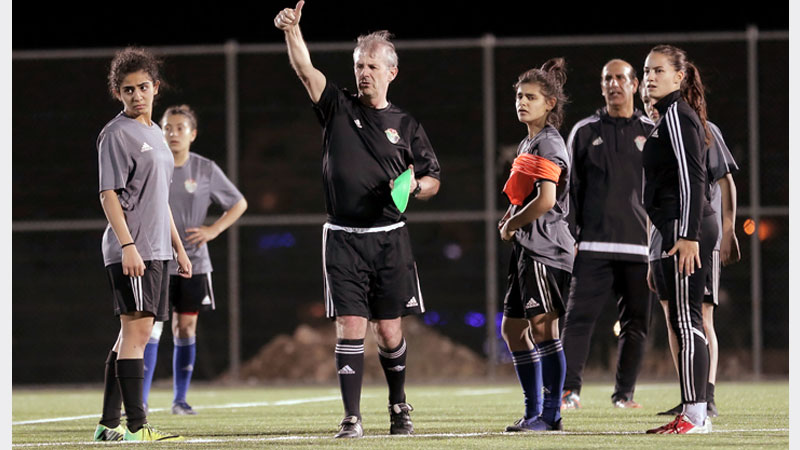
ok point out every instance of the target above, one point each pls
(692, 89)
(129, 60)
(551, 78)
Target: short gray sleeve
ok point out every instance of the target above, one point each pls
(114, 161)
(223, 192)
(720, 160)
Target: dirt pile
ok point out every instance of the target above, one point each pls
(307, 357)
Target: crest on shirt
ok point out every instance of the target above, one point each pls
(640, 140)
(597, 141)
(392, 135)
(191, 185)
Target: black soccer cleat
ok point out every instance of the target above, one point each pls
(672, 412)
(350, 427)
(400, 419)
(712, 409)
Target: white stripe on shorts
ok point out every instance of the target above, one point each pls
(544, 287)
(138, 296)
(325, 284)
(210, 290)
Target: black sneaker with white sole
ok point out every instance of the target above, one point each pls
(350, 427)
(400, 419)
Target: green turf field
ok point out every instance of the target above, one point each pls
(458, 417)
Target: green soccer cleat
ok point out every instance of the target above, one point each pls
(103, 433)
(148, 433)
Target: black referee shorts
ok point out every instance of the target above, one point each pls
(534, 288)
(191, 295)
(369, 272)
(146, 293)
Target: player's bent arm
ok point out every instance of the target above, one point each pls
(230, 216)
(544, 201)
(729, 245)
(132, 263)
(300, 59)
(728, 190)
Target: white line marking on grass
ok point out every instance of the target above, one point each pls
(297, 401)
(415, 436)
(465, 392)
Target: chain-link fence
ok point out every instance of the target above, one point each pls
(256, 122)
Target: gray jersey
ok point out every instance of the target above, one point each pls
(720, 162)
(195, 186)
(135, 162)
(548, 239)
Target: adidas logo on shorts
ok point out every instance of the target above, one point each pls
(531, 304)
(347, 370)
(412, 303)
(206, 301)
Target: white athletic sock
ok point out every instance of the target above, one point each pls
(696, 412)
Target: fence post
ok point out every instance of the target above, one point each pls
(232, 153)
(755, 195)
(490, 200)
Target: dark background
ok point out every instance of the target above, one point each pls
(59, 105)
(115, 24)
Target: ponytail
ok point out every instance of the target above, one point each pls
(692, 89)
(693, 92)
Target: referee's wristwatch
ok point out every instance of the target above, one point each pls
(416, 190)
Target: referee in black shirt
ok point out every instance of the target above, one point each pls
(369, 271)
(611, 234)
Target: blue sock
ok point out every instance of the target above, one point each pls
(182, 366)
(529, 372)
(150, 359)
(554, 370)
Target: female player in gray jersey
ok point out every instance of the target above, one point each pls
(197, 182)
(135, 168)
(541, 261)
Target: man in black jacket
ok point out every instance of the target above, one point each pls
(610, 232)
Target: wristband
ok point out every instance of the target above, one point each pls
(416, 190)
(129, 243)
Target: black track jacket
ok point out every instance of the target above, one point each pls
(606, 186)
(674, 157)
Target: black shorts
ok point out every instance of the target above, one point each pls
(190, 295)
(711, 290)
(712, 280)
(146, 293)
(663, 270)
(369, 272)
(534, 288)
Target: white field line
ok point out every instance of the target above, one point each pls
(299, 401)
(416, 436)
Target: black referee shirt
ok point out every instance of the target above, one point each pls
(606, 185)
(674, 158)
(364, 148)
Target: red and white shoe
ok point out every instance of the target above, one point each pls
(682, 425)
